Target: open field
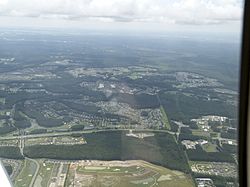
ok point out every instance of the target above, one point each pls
(94, 173)
(50, 173)
(209, 147)
(165, 118)
(63, 140)
(8, 143)
(124, 174)
(44, 174)
(200, 133)
(25, 176)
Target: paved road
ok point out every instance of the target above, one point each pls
(69, 133)
(21, 146)
(36, 172)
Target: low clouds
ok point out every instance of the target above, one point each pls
(164, 11)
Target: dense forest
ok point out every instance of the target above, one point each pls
(6, 128)
(160, 149)
(10, 152)
(200, 155)
(139, 101)
(8, 168)
(181, 107)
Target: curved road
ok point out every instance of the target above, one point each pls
(21, 145)
(36, 172)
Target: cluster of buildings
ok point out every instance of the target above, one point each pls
(204, 182)
(204, 120)
(192, 80)
(139, 135)
(215, 168)
(192, 144)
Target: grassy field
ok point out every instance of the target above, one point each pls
(44, 174)
(140, 174)
(209, 147)
(165, 119)
(110, 170)
(135, 173)
(59, 140)
(25, 176)
(200, 133)
(47, 174)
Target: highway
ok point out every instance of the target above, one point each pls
(36, 172)
(69, 133)
(21, 146)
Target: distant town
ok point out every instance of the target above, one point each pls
(88, 116)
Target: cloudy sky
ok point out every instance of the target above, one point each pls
(216, 15)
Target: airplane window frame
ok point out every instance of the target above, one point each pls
(244, 100)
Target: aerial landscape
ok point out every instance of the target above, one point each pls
(110, 109)
(119, 93)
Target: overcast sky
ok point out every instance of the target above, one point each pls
(210, 15)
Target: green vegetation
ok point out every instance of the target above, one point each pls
(10, 152)
(214, 135)
(229, 148)
(22, 124)
(186, 130)
(42, 121)
(192, 137)
(25, 176)
(21, 121)
(174, 126)
(76, 135)
(229, 135)
(38, 131)
(7, 128)
(209, 147)
(44, 173)
(139, 101)
(200, 155)
(160, 149)
(200, 133)
(141, 174)
(77, 128)
(53, 87)
(193, 125)
(165, 119)
(183, 108)
(8, 168)
(82, 108)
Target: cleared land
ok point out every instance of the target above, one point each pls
(44, 174)
(165, 118)
(25, 176)
(125, 174)
(209, 147)
(132, 173)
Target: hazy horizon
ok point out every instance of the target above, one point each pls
(218, 18)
